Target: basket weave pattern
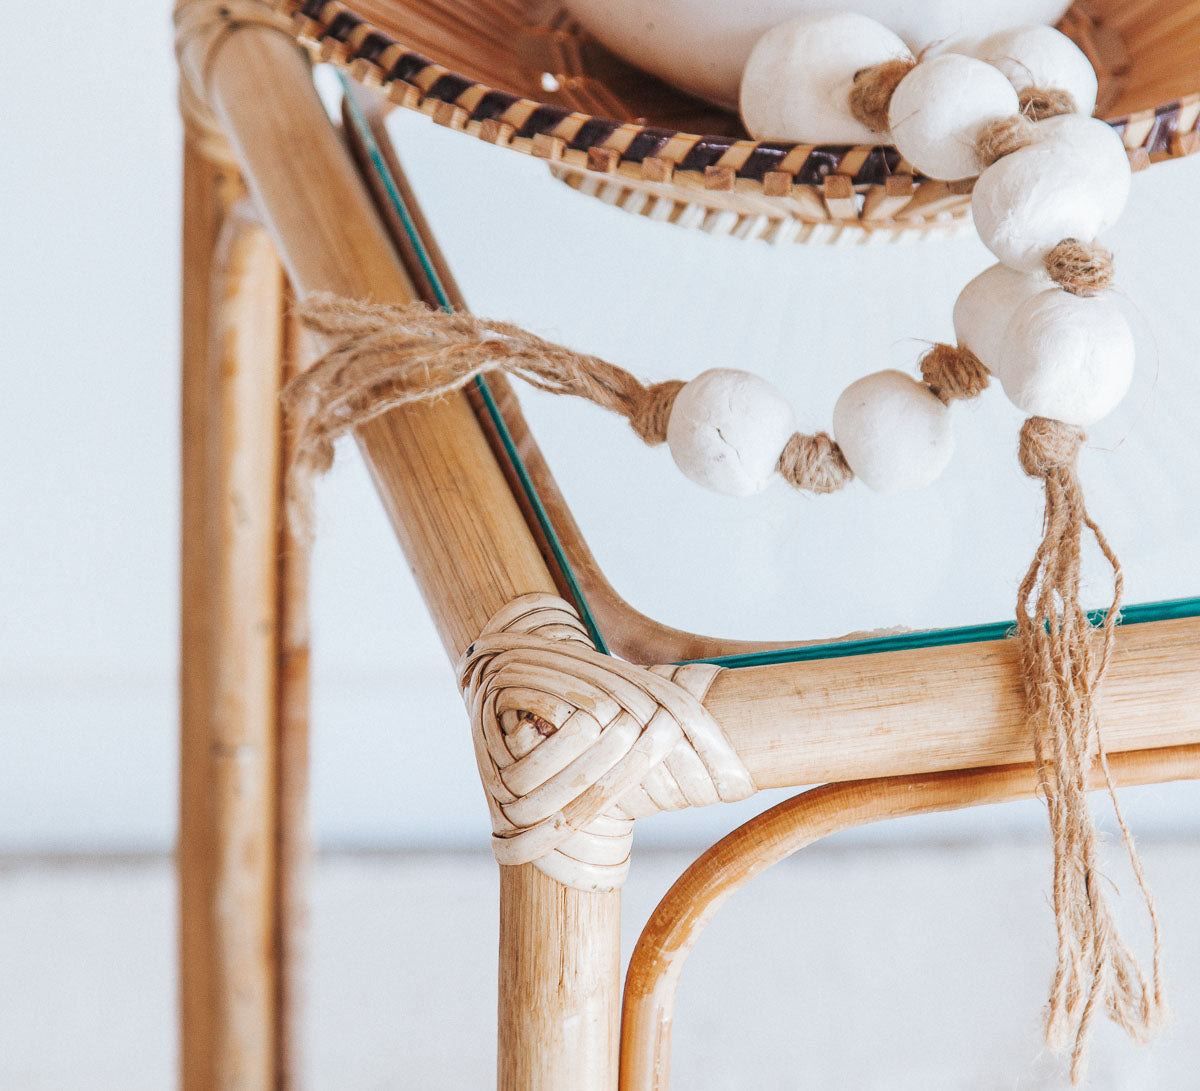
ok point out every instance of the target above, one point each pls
(536, 83)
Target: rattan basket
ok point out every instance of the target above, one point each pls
(522, 74)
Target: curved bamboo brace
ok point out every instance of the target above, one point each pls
(676, 924)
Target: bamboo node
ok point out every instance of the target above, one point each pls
(201, 26)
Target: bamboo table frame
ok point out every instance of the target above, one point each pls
(905, 732)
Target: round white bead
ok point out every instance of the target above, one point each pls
(894, 433)
(985, 306)
(1067, 357)
(1071, 182)
(727, 430)
(1040, 56)
(940, 108)
(796, 84)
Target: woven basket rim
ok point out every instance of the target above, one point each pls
(349, 40)
(725, 184)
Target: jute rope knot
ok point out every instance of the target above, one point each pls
(1039, 103)
(953, 372)
(573, 745)
(1049, 446)
(1080, 268)
(871, 93)
(815, 463)
(1063, 661)
(651, 410)
(1003, 137)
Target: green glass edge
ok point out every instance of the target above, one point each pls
(493, 410)
(1166, 610)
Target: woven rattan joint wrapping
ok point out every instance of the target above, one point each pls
(573, 745)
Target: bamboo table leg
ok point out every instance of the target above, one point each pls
(243, 610)
(460, 527)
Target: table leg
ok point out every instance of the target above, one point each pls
(242, 632)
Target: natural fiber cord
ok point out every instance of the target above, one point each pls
(388, 355)
(1063, 661)
(954, 372)
(1080, 268)
(871, 92)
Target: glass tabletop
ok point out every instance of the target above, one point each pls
(936, 567)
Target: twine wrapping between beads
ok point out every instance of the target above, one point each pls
(871, 92)
(1064, 658)
(1039, 103)
(1003, 137)
(954, 372)
(1080, 268)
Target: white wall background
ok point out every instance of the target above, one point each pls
(89, 490)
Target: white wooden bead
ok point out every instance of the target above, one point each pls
(986, 305)
(1040, 56)
(797, 81)
(727, 430)
(1067, 357)
(1071, 182)
(940, 108)
(895, 434)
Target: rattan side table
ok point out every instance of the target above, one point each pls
(279, 204)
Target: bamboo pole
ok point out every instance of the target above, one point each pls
(934, 709)
(293, 850)
(460, 528)
(687, 908)
(228, 669)
(203, 210)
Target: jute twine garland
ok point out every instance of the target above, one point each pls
(388, 355)
(1063, 656)
(385, 356)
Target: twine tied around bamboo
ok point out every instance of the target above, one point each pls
(1063, 661)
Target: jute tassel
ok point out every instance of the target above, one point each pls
(1063, 659)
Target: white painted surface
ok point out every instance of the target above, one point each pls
(89, 491)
